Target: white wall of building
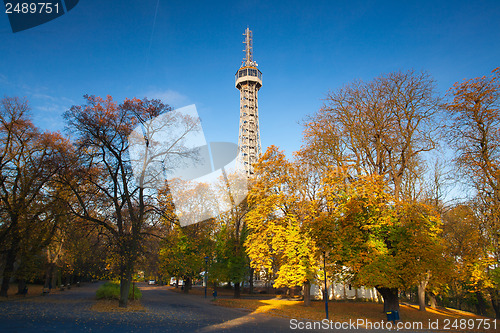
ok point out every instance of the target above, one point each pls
(345, 291)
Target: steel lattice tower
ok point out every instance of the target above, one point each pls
(248, 82)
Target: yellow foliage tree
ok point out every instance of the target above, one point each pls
(278, 240)
(380, 241)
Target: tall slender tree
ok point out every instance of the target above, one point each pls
(29, 162)
(106, 190)
(475, 136)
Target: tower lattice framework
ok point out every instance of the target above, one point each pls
(248, 82)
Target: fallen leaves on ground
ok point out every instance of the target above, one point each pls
(344, 311)
(112, 306)
(33, 290)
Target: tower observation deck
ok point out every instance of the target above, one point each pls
(248, 82)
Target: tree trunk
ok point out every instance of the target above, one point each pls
(237, 291)
(53, 282)
(21, 285)
(496, 307)
(481, 304)
(125, 281)
(8, 271)
(432, 299)
(495, 301)
(391, 298)
(59, 278)
(48, 276)
(251, 281)
(421, 295)
(187, 284)
(306, 289)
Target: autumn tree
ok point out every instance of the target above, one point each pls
(218, 239)
(106, 190)
(420, 248)
(278, 240)
(475, 136)
(149, 260)
(466, 247)
(29, 163)
(379, 128)
(378, 241)
(183, 251)
(79, 251)
(230, 262)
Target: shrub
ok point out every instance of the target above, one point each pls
(111, 290)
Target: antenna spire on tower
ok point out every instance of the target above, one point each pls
(248, 61)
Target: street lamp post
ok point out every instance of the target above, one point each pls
(325, 294)
(205, 275)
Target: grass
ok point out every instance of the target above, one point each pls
(111, 291)
(346, 311)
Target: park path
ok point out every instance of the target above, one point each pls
(69, 311)
(166, 311)
(200, 315)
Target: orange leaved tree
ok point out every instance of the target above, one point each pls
(105, 189)
(475, 136)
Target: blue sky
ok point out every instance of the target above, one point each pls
(190, 53)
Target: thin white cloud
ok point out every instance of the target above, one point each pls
(66, 102)
(170, 97)
(3, 79)
(44, 96)
(48, 110)
(49, 115)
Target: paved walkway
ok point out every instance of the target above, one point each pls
(167, 311)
